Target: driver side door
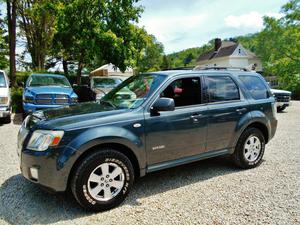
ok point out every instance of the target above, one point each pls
(180, 133)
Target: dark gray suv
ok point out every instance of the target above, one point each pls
(149, 122)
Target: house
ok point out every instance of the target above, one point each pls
(111, 69)
(230, 54)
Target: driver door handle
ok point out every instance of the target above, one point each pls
(196, 117)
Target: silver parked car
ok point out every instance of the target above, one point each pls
(5, 99)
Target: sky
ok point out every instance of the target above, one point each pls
(181, 24)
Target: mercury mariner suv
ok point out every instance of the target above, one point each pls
(96, 150)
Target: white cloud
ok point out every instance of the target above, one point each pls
(252, 20)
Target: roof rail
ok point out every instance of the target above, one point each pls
(219, 68)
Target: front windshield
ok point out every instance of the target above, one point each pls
(106, 82)
(2, 80)
(133, 91)
(44, 80)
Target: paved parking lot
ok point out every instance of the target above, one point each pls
(207, 192)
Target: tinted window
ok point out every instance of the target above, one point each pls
(185, 91)
(2, 80)
(255, 86)
(221, 88)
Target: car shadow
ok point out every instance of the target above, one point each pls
(25, 203)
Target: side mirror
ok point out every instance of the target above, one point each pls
(163, 104)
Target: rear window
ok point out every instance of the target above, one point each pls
(2, 80)
(221, 88)
(255, 86)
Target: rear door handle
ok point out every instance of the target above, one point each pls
(241, 110)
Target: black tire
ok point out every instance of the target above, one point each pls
(79, 180)
(7, 120)
(280, 108)
(239, 156)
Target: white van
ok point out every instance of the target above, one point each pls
(5, 100)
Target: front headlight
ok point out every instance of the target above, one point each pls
(4, 100)
(42, 139)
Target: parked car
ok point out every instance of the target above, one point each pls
(44, 91)
(101, 85)
(282, 98)
(5, 100)
(99, 149)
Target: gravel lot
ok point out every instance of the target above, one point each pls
(208, 192)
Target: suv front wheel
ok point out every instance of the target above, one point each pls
(250, 149)
(103, 180)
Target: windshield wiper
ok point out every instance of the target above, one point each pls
(108, 102)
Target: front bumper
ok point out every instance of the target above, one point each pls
(29, 107)
(4, 111)
(285, 104)
(43, 168)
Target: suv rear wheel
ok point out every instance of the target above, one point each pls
(250, 149)
(103, 180)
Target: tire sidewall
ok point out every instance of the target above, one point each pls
(251, 132)
(82, 193)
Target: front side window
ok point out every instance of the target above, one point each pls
(221, 88)
(2, 80)
(185, 91)
(133, 92)
(44, 80)
(255, 86)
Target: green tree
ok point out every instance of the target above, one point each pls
(37, 21)
(278, 45)
(97, 31)
(3, 46)
(151, 56)
(11, 7)
(188, 59)
(165, 63)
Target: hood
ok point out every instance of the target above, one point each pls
(4, 92)
(76, 116)
(50, 90)
(277, 91)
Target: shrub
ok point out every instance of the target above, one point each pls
(16, 98)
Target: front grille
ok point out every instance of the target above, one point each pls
(44, 96)
(52, 99)
(61, 101)
(282, 98)
(61, 96)
(44, 101)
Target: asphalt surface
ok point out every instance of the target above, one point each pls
(212, 191)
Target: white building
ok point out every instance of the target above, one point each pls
(230, 54)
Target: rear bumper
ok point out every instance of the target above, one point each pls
(273, 128)
(28, 107)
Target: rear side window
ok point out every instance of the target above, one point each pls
(221, 88)
(255, 86)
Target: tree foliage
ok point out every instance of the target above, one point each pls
(278, 45)
(37, 20)
(3, 46)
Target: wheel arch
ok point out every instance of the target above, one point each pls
(129, 153)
